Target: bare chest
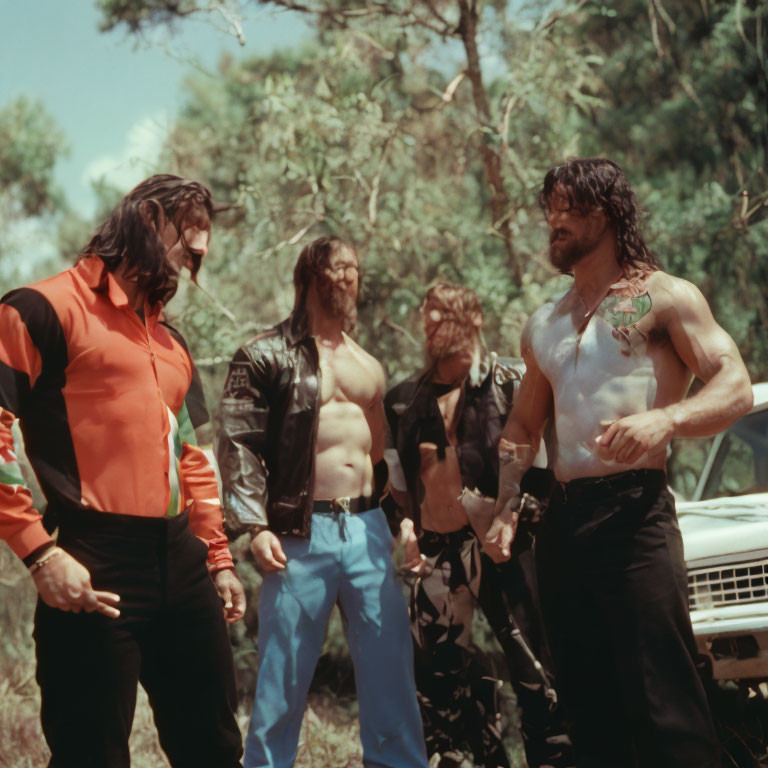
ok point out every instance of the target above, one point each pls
(347, 376)
(448, 405)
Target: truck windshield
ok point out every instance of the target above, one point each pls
(740, 463)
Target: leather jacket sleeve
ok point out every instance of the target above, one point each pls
(242, 438)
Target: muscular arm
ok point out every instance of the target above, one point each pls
(710, 354)
(518, 447)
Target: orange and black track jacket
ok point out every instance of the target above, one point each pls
(103, 400)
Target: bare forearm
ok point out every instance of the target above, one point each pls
(722, 400)
(517, 450)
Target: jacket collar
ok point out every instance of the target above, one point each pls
(294, 329)
(422, 379)
(100, 280)
(476, 377)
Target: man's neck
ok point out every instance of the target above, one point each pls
(326, 328)
(596, 272)
(449, 374)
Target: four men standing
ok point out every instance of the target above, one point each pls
(107, 398)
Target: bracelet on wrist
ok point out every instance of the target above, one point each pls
(39, 564)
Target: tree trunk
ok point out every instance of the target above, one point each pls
(491, 159)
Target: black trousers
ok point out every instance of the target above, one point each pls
(614, 594)
(171, 637)
(456, 695)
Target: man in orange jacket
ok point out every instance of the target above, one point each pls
(107, 398)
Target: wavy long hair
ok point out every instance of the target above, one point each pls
(596, 183)
(129, 239)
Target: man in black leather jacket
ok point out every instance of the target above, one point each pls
(302, 429)
(446, 423)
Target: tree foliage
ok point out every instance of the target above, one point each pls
(30, 145)
(433, 171)
(685, 110)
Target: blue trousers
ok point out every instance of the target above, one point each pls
(347, 560)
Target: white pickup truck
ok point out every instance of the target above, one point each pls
(725, 532)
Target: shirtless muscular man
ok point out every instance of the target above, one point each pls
(302, 428)
(611, 362)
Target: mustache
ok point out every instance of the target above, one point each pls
(555, 233)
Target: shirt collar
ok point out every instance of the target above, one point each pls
(100, 280)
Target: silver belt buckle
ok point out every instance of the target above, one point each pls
(341, 504)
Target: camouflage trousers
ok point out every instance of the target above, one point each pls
(457, 695)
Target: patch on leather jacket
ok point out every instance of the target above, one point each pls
(236, 381)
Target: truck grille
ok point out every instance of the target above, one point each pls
(728, 584)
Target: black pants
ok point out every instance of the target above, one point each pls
(614, 594)
(170, 636)
(457, 699)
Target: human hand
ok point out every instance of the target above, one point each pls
(498, 540)
(413, 560)
(231, 591)
(268, 551)
(64, 583)
(480, 510)
(628, 439)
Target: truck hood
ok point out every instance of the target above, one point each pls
(724, 526)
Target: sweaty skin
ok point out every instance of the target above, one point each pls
(617, 398)
(350, 433)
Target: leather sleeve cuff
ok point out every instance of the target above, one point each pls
(36, 554)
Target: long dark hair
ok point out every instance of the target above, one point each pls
(313, 259)
(592, 183)
(129, 239)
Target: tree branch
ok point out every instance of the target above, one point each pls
(399, 328)
(491, 159)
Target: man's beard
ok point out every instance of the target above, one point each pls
(339, 303)
(564, 255)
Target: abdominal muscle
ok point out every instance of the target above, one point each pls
(343, 464)
(580, 419)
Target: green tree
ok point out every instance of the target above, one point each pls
(30, 145)
(684, 108)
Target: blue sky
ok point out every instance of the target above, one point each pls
(114, 96)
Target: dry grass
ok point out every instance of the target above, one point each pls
(329, 734)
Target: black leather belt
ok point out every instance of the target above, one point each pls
(345, 504)
(604, 486)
